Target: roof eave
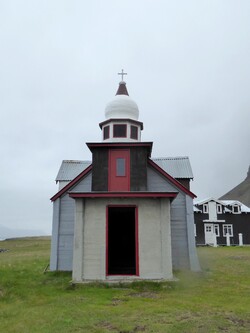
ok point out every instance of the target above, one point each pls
(72, 183)
(140, 194)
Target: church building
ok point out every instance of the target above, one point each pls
(123, 215)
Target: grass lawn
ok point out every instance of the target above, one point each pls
(215, 300)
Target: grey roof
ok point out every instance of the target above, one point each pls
(177, 167)
(70, 169)
(244, 208)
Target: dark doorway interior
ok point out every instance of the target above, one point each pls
(121, 241)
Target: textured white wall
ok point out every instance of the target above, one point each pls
(155, 260)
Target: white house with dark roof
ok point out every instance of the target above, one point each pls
(221, 222)
(123, 215)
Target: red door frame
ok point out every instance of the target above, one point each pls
(136, 239)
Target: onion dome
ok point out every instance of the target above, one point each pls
(122, 106)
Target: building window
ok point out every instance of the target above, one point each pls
(134, 132)
(219, 209)
(120, 167)
(120, 131)
(205, 208)
(236, 209)
(228, 229)
(217, 230)
(208, 228)
(106, 132)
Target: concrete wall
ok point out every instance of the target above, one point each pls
(153, 235)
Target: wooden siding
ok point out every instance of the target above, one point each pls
(184, 182)
(66, 234)
(84, 185)
(138, 168)
(66, 226)
(157, 183)
(240, 223)
(193, 257)
(180, 250)
(100, 170)
(55, 235)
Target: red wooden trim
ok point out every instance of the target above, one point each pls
(137, 272)
(107, 240)
(92, 145)
(171, 179)
(73, 182)
(123, 194)
(118, 144)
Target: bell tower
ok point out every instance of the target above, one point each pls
(121, 113)
(120, 160)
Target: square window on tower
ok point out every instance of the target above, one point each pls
(120, 131)
(134, 132)
(106, 132)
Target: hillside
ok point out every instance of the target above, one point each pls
(241, 192)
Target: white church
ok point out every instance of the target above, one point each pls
(123, 215)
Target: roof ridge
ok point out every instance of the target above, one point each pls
(170, 158)
(77, 161)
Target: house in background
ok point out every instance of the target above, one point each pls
(123, 215)
(221, 222)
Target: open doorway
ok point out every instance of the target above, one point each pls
(122, 240)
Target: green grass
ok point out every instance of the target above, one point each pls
(215, 300)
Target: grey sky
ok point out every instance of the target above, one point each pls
(188, 70)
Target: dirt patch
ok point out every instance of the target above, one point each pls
(239, 257)
(238, 321)
(136, 329)
(107, 325)
(117, 301)
(145, 294)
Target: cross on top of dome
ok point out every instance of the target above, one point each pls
(122, 74)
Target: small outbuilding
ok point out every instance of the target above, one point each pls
(123, 215)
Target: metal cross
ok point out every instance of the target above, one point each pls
(122, 74)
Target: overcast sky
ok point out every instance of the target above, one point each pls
(188, 70)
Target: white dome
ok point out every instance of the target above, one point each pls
(122, 106)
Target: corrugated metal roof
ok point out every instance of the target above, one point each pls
(177, 167)
(70, 169)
